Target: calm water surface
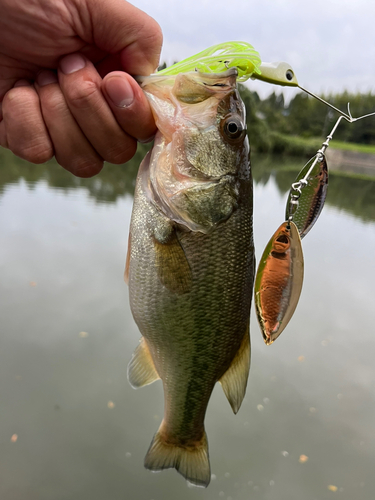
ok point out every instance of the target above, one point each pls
(306, 429)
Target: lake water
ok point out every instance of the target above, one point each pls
(71, 427)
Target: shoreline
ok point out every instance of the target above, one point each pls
(341, 160)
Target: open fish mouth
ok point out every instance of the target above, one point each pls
(156, 77)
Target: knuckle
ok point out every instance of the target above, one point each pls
(152, 39)
(55, 103)
(121, 153)
(158, 35)
(25, 131)
(34, 153)
(17, 97)
(84, 96)
(154, 32)
(83, 166)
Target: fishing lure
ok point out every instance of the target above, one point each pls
(220, 58)
(279, 278)
(277, 292)
(308, 194)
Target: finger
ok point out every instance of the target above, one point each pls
(111, 62)
(129, 105)
(81, 86)
(72, 150)
(122, 28)
(22, 129)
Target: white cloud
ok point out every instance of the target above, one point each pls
(330, 44)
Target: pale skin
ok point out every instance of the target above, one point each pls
(65, 84)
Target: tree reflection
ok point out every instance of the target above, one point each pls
(114, 181)
(351, 193)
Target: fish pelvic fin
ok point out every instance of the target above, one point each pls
(190, 461)
(127, 262)
(141, 369)
(234, 380)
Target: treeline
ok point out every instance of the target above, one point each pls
(295, 127)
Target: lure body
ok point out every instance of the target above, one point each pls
(278, 282)
(313, 195)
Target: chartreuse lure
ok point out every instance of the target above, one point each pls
(219, 58)
(243, 57)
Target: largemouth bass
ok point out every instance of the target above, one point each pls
(190, 263)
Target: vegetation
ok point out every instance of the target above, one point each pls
(298, 127)
(349, 146)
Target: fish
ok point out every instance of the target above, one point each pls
(190, 264)
(279, 280)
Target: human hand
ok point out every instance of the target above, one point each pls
(63, 88)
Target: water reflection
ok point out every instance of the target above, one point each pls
(82, 432)
(354, 194)
(113, 182)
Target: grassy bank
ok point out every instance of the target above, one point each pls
(291, 145)
(349, 146)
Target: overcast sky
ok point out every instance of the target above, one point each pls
(330, 44)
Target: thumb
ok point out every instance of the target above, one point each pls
(117, 27)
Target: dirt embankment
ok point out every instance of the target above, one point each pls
(351, 162)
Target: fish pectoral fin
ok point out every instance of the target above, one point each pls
(234, 380)
(190, 461)
(141, 369)
(127, 262)
(172, 265)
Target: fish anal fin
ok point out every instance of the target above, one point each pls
(127, 262)
(172, 265)
(141, 369)
(234, 380)
(191, 461)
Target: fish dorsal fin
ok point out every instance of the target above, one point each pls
(172, 265)
(141, 369)
(127, 263)
(234, 380)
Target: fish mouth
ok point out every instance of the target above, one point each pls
(225, 74)
(155, 77)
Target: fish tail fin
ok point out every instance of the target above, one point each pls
(190, 461)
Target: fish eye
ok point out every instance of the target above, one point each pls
(233, 128)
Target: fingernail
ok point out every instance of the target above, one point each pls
(45, 78)
(22, 83)
(72, 63)
(119, 91)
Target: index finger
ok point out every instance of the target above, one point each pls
(121, 28)
(129, 105)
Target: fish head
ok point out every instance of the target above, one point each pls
(201, 151)
(203, 116)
